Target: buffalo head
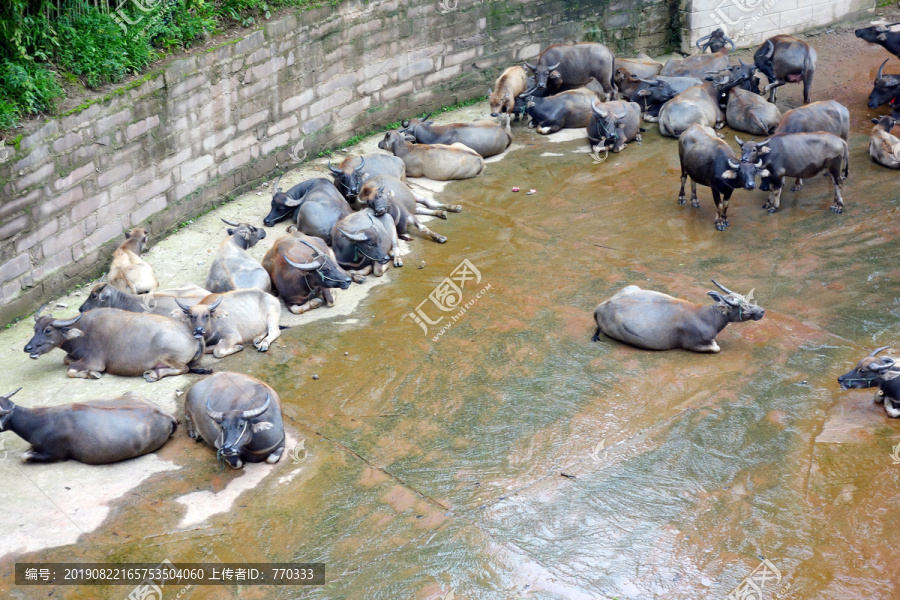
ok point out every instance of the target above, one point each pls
(714, 41)
(544, 74)
(6, 408)
(885, 89)
(875, 33)
(282, 206)
(140, 235)
(321, 271)
(869, 372)
(752, 157)
(50, 333)
(245, 234)
(604, 124)
(394, 140)
(886, 122)
(656, 92)
(500, 103)
(348, 179)
(366, 244)
(376, 198)
(763, 59)
(735, 306)
(235, 431)
(100, 297)
(199, 316)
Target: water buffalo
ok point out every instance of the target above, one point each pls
(883, 36)
(316, 205)
(160, 302)
(886, 88)
(639, 66)
(239, 416)
(652, 93)
(128, 271)
(574, 65)
(699, 104)
(876, 372)
(229, 320)
(740, 76)
(390, 196)
(354, 171)
(657, 321)
(233, 268)
(502, 97)
(799, 155)
(484, 137)
(751, 112)
(613, 124)
(714, 42)
(363, 243)
(709, 161)
(828, 115)
(96, 432)
(435, 161)
(696, 66)
(785, 59)
(118, 342)
(566, 110)
(304, 271)
(884, 148)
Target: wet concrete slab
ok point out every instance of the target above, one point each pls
(507, 456)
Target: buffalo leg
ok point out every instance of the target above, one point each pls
(694, 201)
(774, 195)
(798, 185)
(275, 456)
(378, 269)
(436, 205)
(838, 206)
(684, 177)
(227, 346)
(440, 239)
(721, 209)
(771, 88)
(83, 369)
(441, 214)
(807, 85)
(191, 431)
(272, 331)
(308, 306)
(164, 370)
(705, 347)
(36, 456)
(361, 273)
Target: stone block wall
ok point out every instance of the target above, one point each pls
(751, 22)
(162, 148)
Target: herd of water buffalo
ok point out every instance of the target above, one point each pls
(349, 226)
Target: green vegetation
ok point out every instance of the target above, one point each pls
(47, 44)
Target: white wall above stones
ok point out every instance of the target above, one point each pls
(751, 22)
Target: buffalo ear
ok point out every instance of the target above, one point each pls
(71, 334)
(230, 231)
(881, 37)
(875, 121)
(764, 149)
(292, 202)
(729, 174)
(643, 93)
(555, 75)
(180, 315)
(218, 314)
(764, 173)
(391, 193)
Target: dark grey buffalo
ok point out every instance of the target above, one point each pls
(96, 432)
(883, 36)
(657, 321)
(799, 155)
(159, 302)
(885, 89)
(714, 42)
(233, 268)
(354, 171)
(709, 161)
(315, 205)
(484, 137)
(390, 196)
(229, 320)
(363, 243)
(304, 271)
(561, 65)
(827, 115)
(652, 93)
(566, 110)
(239, 416)
(882, 373)
(750, 112)
(613, 125)
(785, 59)
(118, 342)
(884, 148)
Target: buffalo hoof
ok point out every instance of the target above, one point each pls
(405, 237)
(796, 188)
(440, 239)
(695, 203)
(398, 262)
(681, 200)
(151, 376)
(837, 209)
(721, 225)
(261, 346)
(442, 215)
(455, 208)
(770, 209)
(879, 397)
(275, 456)
(638, 138)
(357, 278)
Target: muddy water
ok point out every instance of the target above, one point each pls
(513, 458)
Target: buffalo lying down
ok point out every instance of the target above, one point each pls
(97, 432)
(876, 372)
(656, 321)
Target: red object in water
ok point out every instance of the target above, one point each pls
(515, 189)
(530, 192)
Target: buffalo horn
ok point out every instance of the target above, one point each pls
(703, 39)
(216, 304)
(252, 413)
(721, 287)
(362, 163)
(383, 183)
(102, 278)
(405, 123)
(740, 60)
(37, 315)
(183, 307)
(556, 66)
(426, 117)
(738, 140)
(334, 170)
(649, 81)
(11, 394)
(67, 322)
(732, 164)
(881, 68)
(530, 66)
(230, 223)
(886, 363)
(310, 266)
(877, 350)
(622, 116)
(354, 237)
(729, 40)
(214, 415)
(892, 24)
(771, 48)
(277, 181)
(758, 164)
